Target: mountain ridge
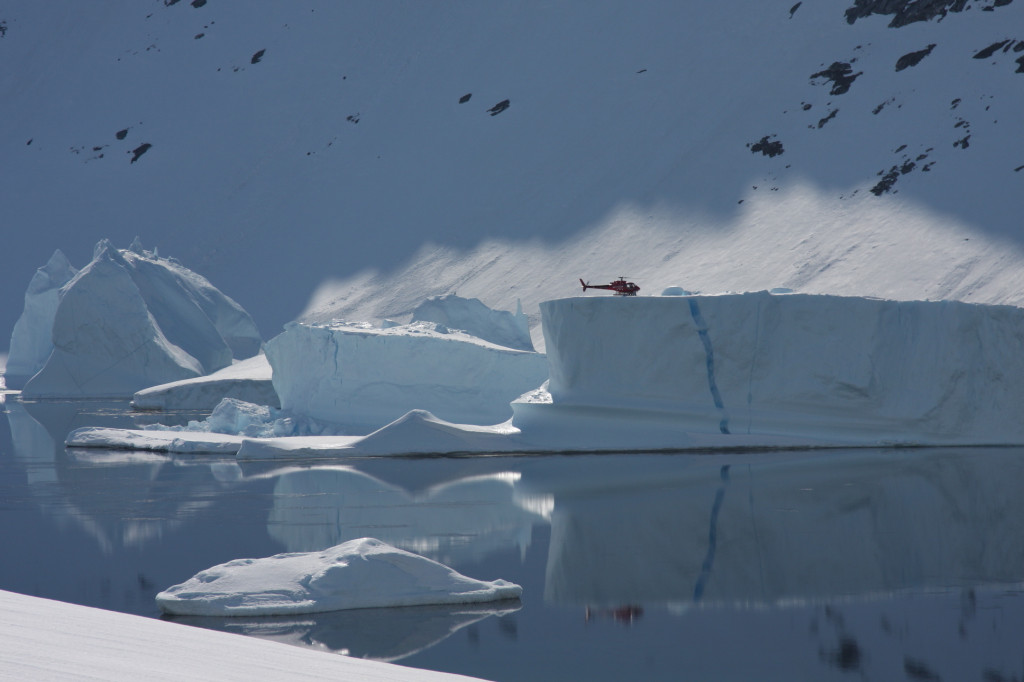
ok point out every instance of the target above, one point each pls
(344, 172)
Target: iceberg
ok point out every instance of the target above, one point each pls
(359, 574)
(130, 320)
(843, 369)
(248, 380)
(31, 340)
(735, 371)
(359, 375)
(470, 315)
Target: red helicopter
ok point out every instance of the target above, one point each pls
(620, 286)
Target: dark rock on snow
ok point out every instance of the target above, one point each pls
(767, 146)
(499, 107)
(139, 151)
(913, 58)
(905, 12)
(841, 74)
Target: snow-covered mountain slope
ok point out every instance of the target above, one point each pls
(379, 153)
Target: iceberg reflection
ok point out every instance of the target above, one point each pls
(450, 522)
(379, 634)
(760, 531)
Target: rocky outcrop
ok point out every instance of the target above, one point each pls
(905, 12)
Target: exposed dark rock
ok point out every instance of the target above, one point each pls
(831, 115)
(767, 146)
(1018, 169)
(1020, 65)
(847, 656)
(3, 29)
(906, 165)
(963, 142)
(991, 49)
(885, 184)
(905, 11)
(841, 74)
(913, 58)
(198, 3)
(168, 3)
(139, 151)
(883, 105)
(353, 118)
(805, 106)
(121, 134)
(256, 57)
(29, 141)
(499, 107)
(198, 36)
(918, 670)
(955, 103)
(465, 98)
(794, 8)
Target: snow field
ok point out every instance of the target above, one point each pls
(42, 639)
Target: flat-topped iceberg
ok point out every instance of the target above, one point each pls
(358, 574)
(129, 320)
(364, 376)
(845, 369)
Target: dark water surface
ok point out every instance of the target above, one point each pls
(847, 564)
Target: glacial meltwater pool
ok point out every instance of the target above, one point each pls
(832, 564)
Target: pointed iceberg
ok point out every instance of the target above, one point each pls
(130, 320)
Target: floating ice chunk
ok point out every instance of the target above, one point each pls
(363, 573)
(419, 431)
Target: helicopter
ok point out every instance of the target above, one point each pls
(620, 286)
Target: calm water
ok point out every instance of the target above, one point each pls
(869, 564)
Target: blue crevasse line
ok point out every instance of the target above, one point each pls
(709, 352)
(709, 558)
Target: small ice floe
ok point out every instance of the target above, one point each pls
(363, 573)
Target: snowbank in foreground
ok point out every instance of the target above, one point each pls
(51, 640)
(130, 320)
(355, 374)
(363, 573)
(248, 380)
(854, 370)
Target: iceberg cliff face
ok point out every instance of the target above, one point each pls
(130, 320)
(366, 377)
(854, 370)
(31, 340)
